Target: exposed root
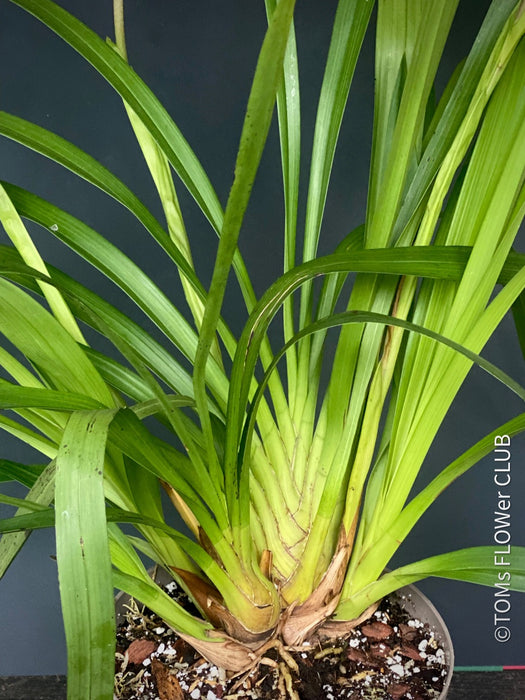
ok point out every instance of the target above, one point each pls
(282, 666)
(328, 651)
(285, 684)
(370, 657)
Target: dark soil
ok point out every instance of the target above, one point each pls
(390, 657)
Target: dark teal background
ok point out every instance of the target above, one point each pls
(199, 58)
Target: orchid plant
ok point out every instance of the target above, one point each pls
(297, 492)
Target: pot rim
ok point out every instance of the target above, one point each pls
(414, 601)
(410, 597)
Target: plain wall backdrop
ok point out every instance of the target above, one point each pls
(199, 58)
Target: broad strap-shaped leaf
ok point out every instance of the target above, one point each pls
(474, 564)
(326, 499)
(159, 168)
(111, 261)
(46, 344)
(148, 108)
(29, 505)
(392, 46)
(374, 560)
(351, 21)
(129, 566)
(42, 492)
(82, 164)
(332, 288)
(14, 396)
(489, 211)
(226, 580)
(132, 438)
(348, 317)
(134, 91)
(421, 31)
(253, 138)
(33, 520)
(84, 564)
(349, 29)
(22, 241)
(289, 113)
(355, 357)
(123, 379)
(125, 558)
(161, 603)
(422, 55)
(90, 308)
(29, 436)
(212, 489)
(25, 474)
(489, 37)
(433, 262)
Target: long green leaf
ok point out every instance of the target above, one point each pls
(428, 43)
(434, 262)
(355, 357)
(42, 492)
(488, 38)
(327, 500)
(25, 474)
(13, 396)
(375, 559)
(350, 25)
(110, 261)
(134, 91)
(82, 164)
(289, 112)
(130, 436)
(140, 98)
(22, 241)
(493, 189)
(253, 138)
(82, 299)
(128, 564)
(351, 21)
(28, 521)
(30, 437)
(347, 317)
(211, 488)
(474, 565)
(84, 565)
(21, 503)
(160, 602)
(47, 345)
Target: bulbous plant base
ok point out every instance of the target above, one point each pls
(403, 651)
